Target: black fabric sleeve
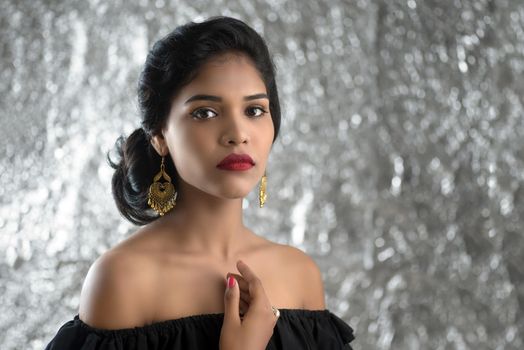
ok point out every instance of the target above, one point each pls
(296, 329)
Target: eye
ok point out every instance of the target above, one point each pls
(198, 115)
(260, 109)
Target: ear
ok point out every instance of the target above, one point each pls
(159, 143)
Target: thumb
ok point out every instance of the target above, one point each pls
(231, 302)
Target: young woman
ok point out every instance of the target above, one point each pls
(210, 115)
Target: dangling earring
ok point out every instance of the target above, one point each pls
(262, 195)
(162, 195)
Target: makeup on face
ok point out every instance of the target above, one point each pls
(236, 162)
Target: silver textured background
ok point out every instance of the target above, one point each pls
(399, 168)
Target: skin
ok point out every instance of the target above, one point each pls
(208, 212)
(177, 265)
(254, 331)
(197, 136)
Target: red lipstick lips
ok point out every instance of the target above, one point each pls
(236, 162)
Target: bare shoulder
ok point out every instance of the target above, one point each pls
(296, 258)
(114, 290)
(310, 275)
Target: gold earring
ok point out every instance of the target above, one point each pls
(262, 195)
(162, 195)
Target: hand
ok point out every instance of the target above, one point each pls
(256, 328)
(245, 298)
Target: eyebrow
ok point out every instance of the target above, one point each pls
(219, 99)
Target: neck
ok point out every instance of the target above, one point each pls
(207, 224)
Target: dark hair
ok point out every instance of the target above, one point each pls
(171, 64)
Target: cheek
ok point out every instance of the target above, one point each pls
(269, 131)
(190, 146)
(183, 135)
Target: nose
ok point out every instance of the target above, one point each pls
(235, 131)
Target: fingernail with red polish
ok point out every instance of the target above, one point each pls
(230, 281)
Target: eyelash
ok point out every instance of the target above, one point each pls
(194, 113)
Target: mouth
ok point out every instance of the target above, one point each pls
(236, 162)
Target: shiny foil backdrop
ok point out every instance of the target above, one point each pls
(399, 167)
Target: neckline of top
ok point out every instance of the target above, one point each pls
(285, 313)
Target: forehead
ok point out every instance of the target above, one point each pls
(230, 69)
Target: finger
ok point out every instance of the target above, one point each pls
(231, 305)
(245, 297)
(247, 273)
(243, 307)
(242, 283)
(256, 290)
(244, 288)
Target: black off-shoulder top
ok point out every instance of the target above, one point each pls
(296, 329)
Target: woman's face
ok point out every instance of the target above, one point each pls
(201, 132)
